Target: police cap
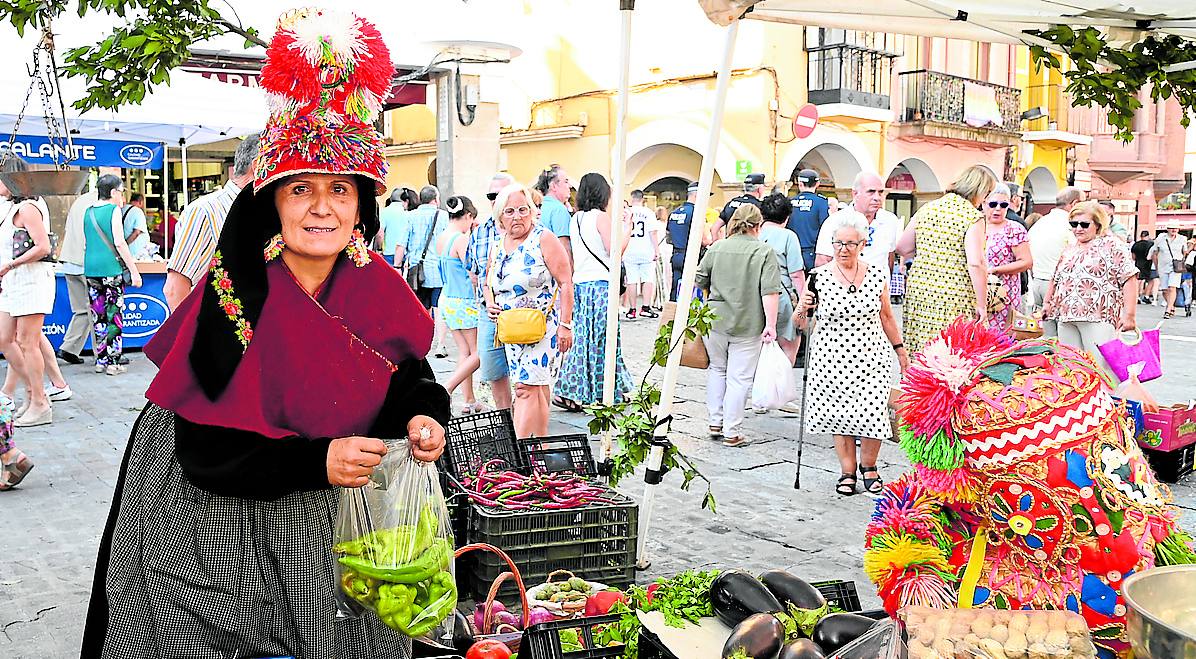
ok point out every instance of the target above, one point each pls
(807, 177)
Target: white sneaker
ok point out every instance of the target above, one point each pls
(58, 395)
(760, 410)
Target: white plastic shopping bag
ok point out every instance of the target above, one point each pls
(774, 385)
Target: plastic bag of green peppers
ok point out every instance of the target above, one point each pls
(394, 548)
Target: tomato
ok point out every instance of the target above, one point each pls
(488, 649)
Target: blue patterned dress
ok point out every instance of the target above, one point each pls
(520, 279)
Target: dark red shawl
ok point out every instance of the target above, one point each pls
(314, 368)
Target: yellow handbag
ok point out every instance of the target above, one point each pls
(523, 326)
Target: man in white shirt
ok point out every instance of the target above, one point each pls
(1048, 237)
(71, 266)
(1168, 248)
(867, 197)
(640, 259)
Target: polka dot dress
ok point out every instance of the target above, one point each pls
(850, 360)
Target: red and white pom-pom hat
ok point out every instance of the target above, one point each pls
(326, 76)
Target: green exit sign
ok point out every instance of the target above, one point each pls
(742, 168)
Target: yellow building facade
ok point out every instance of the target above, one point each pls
(915, 110)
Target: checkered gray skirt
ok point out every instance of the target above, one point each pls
(191, 574)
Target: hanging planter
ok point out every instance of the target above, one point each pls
(46, 183)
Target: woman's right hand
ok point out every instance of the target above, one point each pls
(351, 460)
(808, 301)
(136, 283)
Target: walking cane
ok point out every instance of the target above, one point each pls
(811, 286)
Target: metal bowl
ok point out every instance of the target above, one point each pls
(45, 183)
(1161, 616)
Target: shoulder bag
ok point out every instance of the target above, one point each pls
(22, 242)
(415, 273)
(526, 326)
(126, 277)
(1177, 265)
(582, 237)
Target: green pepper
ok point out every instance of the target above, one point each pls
(433, 614)
(435, 558)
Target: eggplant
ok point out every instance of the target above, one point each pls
(838, 629)
(735, 595)
(788, 589)
(462, 633)
(802, 648)
(760, 636)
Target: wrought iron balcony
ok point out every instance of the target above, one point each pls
(850, 74)
(960, 109)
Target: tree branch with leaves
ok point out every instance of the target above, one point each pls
(134, 57)
(1113, 77)
(634, 420)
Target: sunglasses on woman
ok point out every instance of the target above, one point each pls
(1083, 224)
(998, 204)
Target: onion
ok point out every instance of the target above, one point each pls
(479, 613)
(538, 615)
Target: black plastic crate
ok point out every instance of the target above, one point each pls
(458, 511)
(841, 594)
(559, 453)
(543, 641)
(595, 542)
(472, 441)
(1170, 466)
(651, 647)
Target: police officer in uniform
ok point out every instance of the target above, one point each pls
(678, 230)
(810, 210)
(753, 192)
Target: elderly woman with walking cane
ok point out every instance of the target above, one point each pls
(851, 357)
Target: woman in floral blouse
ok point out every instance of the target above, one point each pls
(1092, 295)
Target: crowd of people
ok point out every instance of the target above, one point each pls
(766, 264)
(522, 288)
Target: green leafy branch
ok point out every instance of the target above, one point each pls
(1112, 77)
(132, 58)
(634, 421)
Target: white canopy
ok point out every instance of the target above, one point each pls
(192, 110)
(977, 20)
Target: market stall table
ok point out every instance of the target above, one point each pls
(144, 312)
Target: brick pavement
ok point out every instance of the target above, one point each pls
(53, 522)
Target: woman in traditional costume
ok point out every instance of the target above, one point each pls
(279, 375)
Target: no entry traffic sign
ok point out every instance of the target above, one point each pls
(805, 121)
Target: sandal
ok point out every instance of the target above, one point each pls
(846, 485)
(1168, 314)
(565, 404)
(14, 472)
(872, 485)
(716, 432)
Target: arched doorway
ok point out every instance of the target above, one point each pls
(909, 180)
(836, 167)
(1040, 185)
(669, 192)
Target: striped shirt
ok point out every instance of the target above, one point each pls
(198, 229)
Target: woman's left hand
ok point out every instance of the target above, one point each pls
(1128, 322)
(903, 359)
(425, 448)
(564, 339)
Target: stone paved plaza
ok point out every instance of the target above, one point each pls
(53, 521)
